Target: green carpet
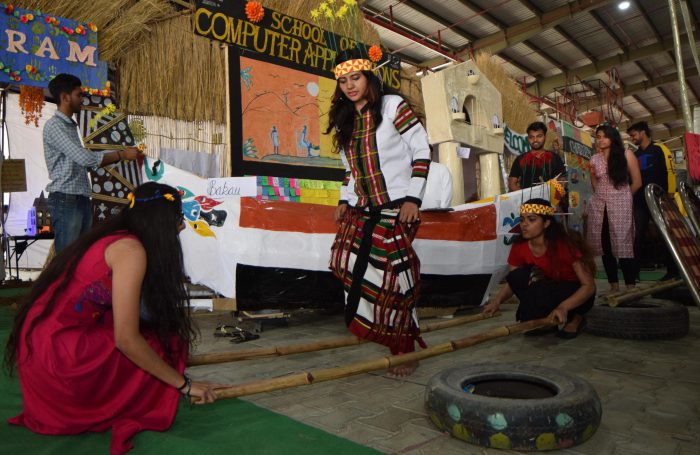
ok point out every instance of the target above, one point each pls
(654, 275)
(225, 427)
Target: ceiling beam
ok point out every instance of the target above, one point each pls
(531, 6)
(646, 107)
(669, 133)
(666, 97)
(517, 33)
(575, 43)
(520, 66)
(545, 86)
(629, 89)
(439, 19)
(656, 119)
(502, 25)
(649, 22)
(606, 29)
(639, 87)
(687, 85)
(379, 18)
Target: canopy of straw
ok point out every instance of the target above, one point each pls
(165, 69)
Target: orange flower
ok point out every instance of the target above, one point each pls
(254, 11)
(375, 53)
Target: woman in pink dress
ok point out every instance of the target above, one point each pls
(102, 340)
(615, 177)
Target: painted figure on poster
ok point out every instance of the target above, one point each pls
(275, 140)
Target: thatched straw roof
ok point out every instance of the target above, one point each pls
(164, 68)
(122, 24)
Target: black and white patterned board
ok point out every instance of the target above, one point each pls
(108, 131)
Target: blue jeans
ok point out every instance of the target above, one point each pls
(71, 216)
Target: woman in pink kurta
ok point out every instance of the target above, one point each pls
(101, 342)
(615, 177)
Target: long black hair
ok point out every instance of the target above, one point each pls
(556, 236)
(154, 219)
(617, 162)
(341, 117)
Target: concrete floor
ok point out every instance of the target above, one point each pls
(650, 390)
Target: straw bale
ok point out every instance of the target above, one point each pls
(177, 74)
(121, 24)
(362, 30)
(164, 68)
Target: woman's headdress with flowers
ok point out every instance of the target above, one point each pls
(342, 18)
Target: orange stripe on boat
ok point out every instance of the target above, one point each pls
(473, 225)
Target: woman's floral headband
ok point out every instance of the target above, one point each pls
(157, 195)
(537, 209)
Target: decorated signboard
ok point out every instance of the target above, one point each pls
(261, 251)
(35, 47)
(280, 102)
(104, 128)
(578, 148)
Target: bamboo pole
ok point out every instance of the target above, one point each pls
(617, 298)
(233, 356)
(328, 374)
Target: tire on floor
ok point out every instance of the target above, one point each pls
(530, 407)
(640, 320)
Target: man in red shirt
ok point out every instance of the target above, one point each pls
(536, 166)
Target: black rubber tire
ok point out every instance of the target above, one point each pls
(567, 418)
(645, 320)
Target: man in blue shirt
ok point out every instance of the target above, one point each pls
(68, 161)
(652, 164)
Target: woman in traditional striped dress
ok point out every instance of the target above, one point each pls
(386, 155)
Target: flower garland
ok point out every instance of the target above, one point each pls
(34, 72)
(31, 101)
(80, 29)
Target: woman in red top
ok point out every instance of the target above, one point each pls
(551, 271)
(102, 340)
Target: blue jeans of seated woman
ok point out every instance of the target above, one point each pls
(71, 216)
(538, 296)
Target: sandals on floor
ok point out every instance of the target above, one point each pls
(237, 334)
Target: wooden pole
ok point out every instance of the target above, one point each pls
(308, 378)
(614, 300)
(233, 356)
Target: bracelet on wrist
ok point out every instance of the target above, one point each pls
(187, 385)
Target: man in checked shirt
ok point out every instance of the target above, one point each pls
(68, 162)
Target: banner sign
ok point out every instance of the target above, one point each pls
(232, 186)
(516, 143)
(35, 47)
(576, 141)
(281, 39)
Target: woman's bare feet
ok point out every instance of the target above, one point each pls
(403, 370)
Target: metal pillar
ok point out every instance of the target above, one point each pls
(685, 102)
